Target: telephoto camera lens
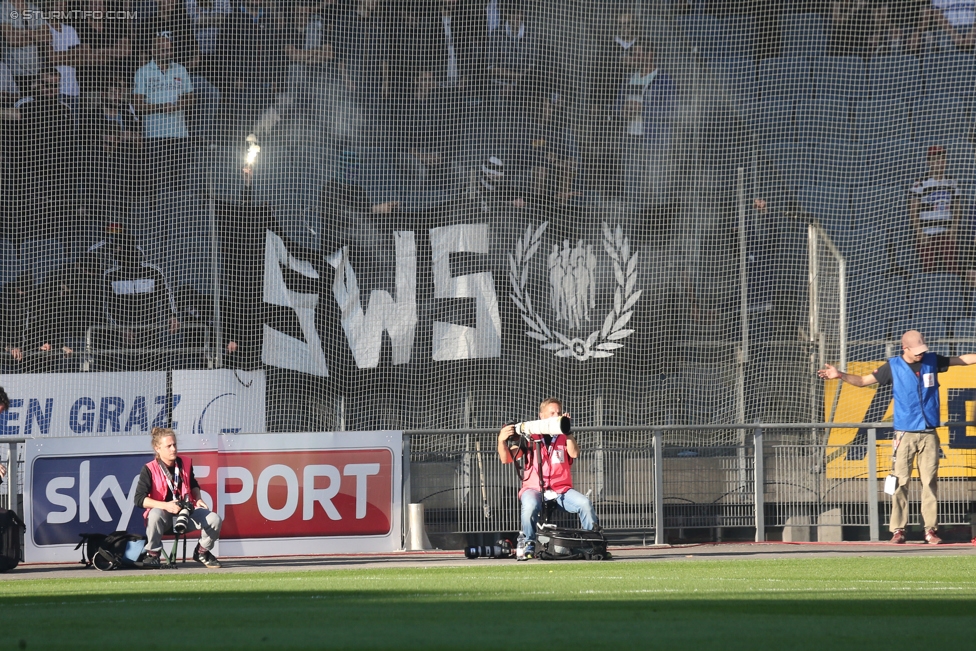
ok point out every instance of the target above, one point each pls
(483, 551)
(501, 550)
(181, 522)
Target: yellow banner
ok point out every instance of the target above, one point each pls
(847, 448)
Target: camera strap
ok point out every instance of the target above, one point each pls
(173, 480)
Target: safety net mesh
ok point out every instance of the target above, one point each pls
(433, 214)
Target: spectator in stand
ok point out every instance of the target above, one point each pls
(935, 211)
(345, 207)
(170, 17)
(10, 186)
(208, 18)
(886, 37)
(612, 63)
(251, 55)
(108, 48)
(920, 30)
(306, 52)
(196, 309)
(115, 132)
(768, 21)
(84, 301)
(548, 152)
(24, 40)
(427, 136)
(167, 16)
(49, 318)
(346, 192)
(851, 24)
(46, 137)
(9, 92)
(363, 38)
(66, 52)
(162, 96)
(956, 21)
(138, 300)
(493, 16)
(512, 57)
(646, 103)
(243, 232)
(494, 192)
(308, 48)
(457, 37)
(409, 35)
(14, 301)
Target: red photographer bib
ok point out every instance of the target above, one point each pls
(161, 483)
(556, 464)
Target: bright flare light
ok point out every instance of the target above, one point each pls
(252, 150)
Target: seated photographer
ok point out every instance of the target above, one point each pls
(557, 455)
(167, 486)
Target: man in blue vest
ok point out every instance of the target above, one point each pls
(914, 376)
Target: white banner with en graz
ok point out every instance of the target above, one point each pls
(94, 404)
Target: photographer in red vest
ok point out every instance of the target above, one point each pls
(557, 455)
(166, 487)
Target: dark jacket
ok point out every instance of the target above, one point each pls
(251, 50)
(14, 300)
(137, 294)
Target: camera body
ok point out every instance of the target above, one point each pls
(547, 426)
(182, 520)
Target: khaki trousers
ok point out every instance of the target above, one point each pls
(923, 446)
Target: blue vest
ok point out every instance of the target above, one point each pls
(916, 405)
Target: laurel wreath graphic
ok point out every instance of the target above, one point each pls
(600, 343)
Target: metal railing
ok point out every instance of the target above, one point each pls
(145, 333)
(649, 479)
(13, 482)
(646, 478)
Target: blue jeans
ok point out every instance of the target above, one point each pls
(572, 501)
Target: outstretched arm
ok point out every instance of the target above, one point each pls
(963, 360)
(829, 372)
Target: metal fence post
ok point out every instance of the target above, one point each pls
(405, 497)
(759, 485)
(873, 520)
(658, 487)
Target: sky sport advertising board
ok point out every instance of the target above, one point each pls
(279, 494)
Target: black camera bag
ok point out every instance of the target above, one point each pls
(11, 529)
(109, 553)
(560, 544)
(89, 544)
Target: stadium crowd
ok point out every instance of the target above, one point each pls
(108, 111)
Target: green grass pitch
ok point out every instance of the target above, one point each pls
(823, 604)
